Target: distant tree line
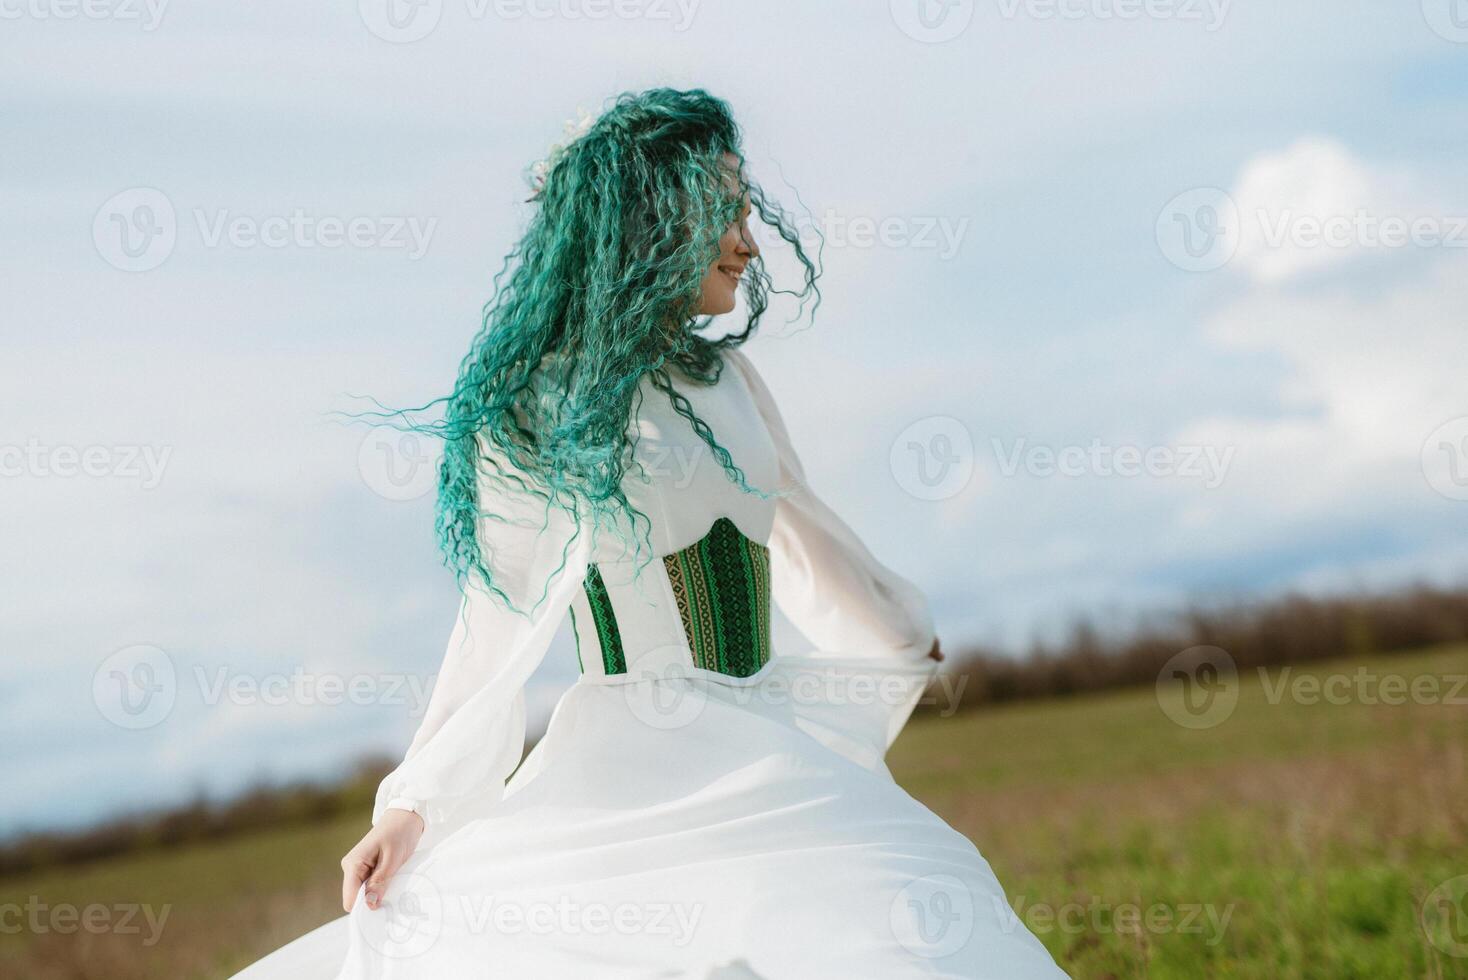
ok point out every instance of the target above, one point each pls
(1293, 629)
(261, 808)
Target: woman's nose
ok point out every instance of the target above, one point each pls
(747, 245)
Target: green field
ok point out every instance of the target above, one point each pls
(1293, 840)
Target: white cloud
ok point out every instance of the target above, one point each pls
(1370, 375)
(1316, 205)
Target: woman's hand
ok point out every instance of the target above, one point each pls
(379, 855)
(936, 653)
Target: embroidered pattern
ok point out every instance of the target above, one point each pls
(608, 637)
(722, 587)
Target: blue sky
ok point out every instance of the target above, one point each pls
(1008, 213)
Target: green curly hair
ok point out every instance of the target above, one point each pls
(602, 290)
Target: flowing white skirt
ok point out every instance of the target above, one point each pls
(696, 827)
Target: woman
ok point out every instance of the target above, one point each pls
(697, 806)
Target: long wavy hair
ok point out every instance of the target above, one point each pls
(602, 290)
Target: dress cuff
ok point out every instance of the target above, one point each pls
(411, 805)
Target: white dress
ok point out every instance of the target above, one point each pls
(697, 808)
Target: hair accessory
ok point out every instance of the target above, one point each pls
(574, 129)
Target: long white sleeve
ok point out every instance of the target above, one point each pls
(823, 577)
(473, 733)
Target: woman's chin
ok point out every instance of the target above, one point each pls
(715, 305)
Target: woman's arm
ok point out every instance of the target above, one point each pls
(824, 578)
(473, 733)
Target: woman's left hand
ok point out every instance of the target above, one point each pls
(379, 855)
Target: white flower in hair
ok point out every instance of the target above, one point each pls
(574, 130)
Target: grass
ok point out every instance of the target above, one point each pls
(1317, 830)
(1292, 840)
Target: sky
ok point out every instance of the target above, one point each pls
(1126, 305)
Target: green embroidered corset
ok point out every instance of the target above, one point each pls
(706, 606)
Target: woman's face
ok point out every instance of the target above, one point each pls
(736, 249)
